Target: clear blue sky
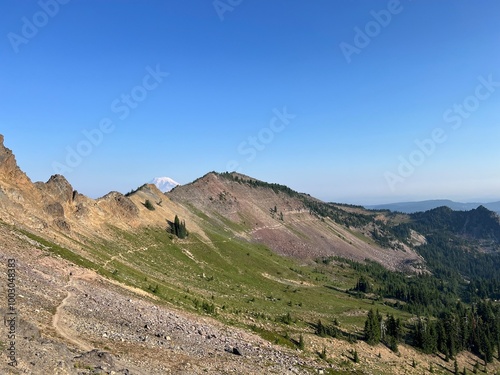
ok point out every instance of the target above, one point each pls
(363, 80)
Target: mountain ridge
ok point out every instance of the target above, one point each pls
(54, 206)
(285, 220)
(290, 223)
(258, 255)
(421, 206)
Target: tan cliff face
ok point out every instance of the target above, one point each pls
(9, 171)
(17, 193)
(58, 188)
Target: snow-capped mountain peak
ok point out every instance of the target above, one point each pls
(164, 184)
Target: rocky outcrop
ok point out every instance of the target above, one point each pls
(58, 188)
(10, 173)
(54, 209)
(120, 205)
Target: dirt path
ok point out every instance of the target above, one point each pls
(120, 255)
(57, 320)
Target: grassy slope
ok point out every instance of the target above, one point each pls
(248, 284)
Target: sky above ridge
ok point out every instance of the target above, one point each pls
(361, 102)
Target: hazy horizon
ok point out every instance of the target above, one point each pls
(354, 102)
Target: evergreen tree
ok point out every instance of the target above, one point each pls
(324, 331)
(182, 230)
(176, 225)
(372, 328)
(418, 335)
(425, 335)
(363, 285)
(322, 355)
(301, 342)
(394, 327)
(430, 338)
(320, 329)
(149, 205)
(486, 349)
(393, 344)
(441, 337)
(498, 348)
(451, 329)
(394, 332)
(179, 228)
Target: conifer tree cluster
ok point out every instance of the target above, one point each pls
(179, 228)
(274, 213)
(475, 328)
(326, 330)
(363, 285)
(388, 331)
(393, 332)
(373, 331)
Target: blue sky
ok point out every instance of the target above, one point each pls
(332, 98)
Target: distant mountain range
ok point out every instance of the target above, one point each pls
(420, 206)
(164, 184)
